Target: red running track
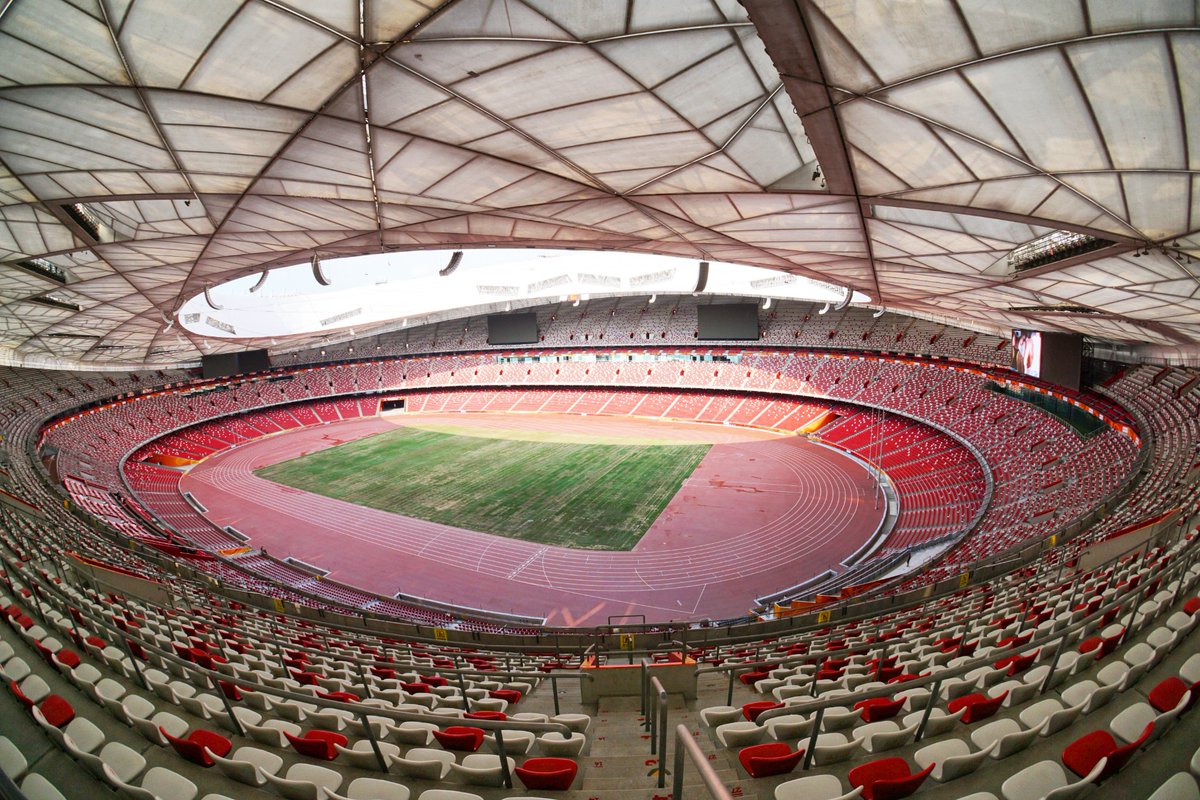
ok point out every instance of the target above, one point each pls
(760, 513)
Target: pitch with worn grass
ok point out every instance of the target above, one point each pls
(586, 496)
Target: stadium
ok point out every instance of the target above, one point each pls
(498, 399)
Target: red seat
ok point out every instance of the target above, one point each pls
(751, 710)
(1017, 664)
(305, 678)
(547, 773)
(433, 680)
(751, 678)
(1170, 691)
(1192, 606)
(341, 697)
(887, 778)
(499, 716)
(1082, 754)
(460, 737)
(772, 758)
(878, 708)
(978, 706)
(317, 744)
(511, 695)
(56, 710)
(415, 688)
(198, 744)
(67, 658)
(1104, 644)
(230, 690)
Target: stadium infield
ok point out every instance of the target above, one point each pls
(540, 487)
(760, 512)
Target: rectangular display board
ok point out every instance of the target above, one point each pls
(733, 321)
(512, 328)
(1054, 357)
(221, 365)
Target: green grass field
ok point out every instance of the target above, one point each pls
(581, 495)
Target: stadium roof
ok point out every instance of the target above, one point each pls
(150, 149)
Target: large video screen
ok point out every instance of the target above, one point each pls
(733, 321)
(1053, 357)
(512, 329)
(221, 365)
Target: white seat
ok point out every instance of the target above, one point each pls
(36, 787)
(555, 744)
(246, 765)
(372, 789)
(789, 726)
(84, 733)
(884, 735)
(952, 758)
(481, 769)
(1047, 780)
(939, 721)
(1129, 724)
(1180, 786)
(839, 719)
(12, 760)
(1163, 640)
(114, 761)
(1004, 737)
(715, 716)
(834, 747)
(362, 755)
(306, 782)
(160, 783)
(740, 734)
(517, 743)
(576, 722)
(1119, 674)
(1019, 692)
(815, 787)
(417, 734)
(424, 763)
(35, 688)
(1091, 694)
(1190, 671)
(448, 794)
(271, 732)
(1050, 716)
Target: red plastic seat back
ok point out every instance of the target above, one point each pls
(878, 708)
(56, 710)
(1167, 694)
(751, 710)
(459, 737)
(772, 758)
(317, 744)
(547, 773)
(192, 751)
(895, 788)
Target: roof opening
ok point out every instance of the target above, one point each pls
(1054, 246)
(43, 269)
(56, 301)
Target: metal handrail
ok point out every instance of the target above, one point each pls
(685, 745)
(8, 788)
(658, 726)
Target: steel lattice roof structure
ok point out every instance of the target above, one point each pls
(152, 148)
